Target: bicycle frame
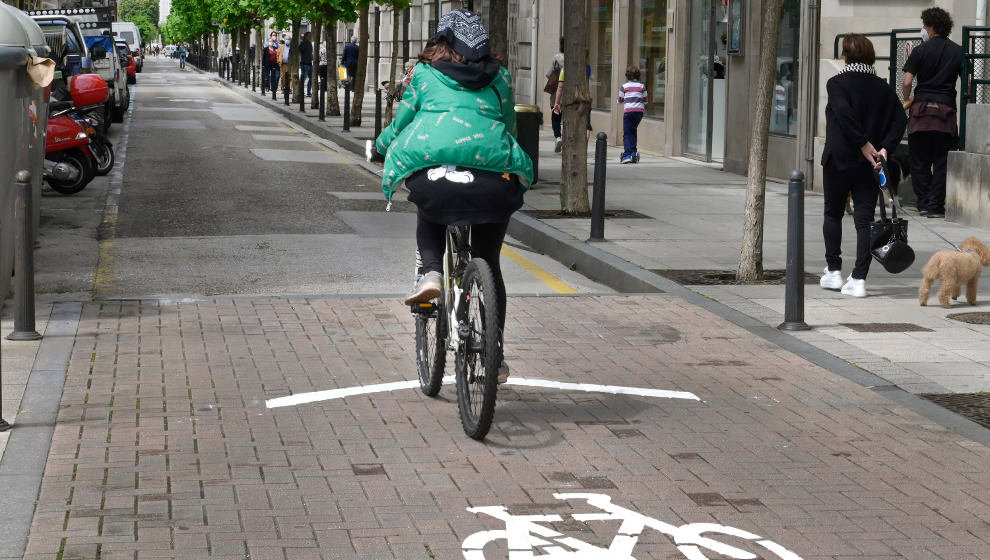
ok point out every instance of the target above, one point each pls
(456, 256)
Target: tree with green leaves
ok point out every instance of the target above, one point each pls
(143, 13)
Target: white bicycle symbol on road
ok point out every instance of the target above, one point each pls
(527, 539)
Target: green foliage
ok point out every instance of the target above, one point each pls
(143, 13)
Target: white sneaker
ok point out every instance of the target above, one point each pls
(831, 280)
(557, 144)
(854, 287)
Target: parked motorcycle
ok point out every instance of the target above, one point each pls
(72, 157)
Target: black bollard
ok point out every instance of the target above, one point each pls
(347, 108)
(794, 290)
(598, 195)
(286, 86)
(273, 87)
(4, 425)
(302, 92)
(24, 328)
(323, 96)
(254, 78)
(378, 111)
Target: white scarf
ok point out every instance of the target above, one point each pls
(859, 67)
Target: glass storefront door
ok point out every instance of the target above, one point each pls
(704, 118)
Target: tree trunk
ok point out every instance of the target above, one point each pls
(333, 104)
(391, 68)
(498, 29)
(259, 38)
(362, 69)
(294, 61)
(751, 252)
(576, 104)
(317, 37)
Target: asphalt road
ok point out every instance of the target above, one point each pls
(221, 197)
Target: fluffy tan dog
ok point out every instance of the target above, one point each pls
(955, 268)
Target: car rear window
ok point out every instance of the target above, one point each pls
(128, 36)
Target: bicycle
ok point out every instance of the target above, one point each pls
(463, 319)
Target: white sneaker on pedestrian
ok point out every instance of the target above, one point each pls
(558, 144)
(854, 287)
(427, 288)
(831, 280)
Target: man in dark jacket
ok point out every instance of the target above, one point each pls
(349, 60)
(306, 63)
(932, 129)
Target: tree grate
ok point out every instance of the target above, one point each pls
(975, 406)
(885, 327)
(704, 277)
(976, 318)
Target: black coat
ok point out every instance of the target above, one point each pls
(350, 58)
(861, 108)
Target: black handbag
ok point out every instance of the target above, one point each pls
(888, 240)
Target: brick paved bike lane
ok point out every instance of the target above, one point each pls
(164, 447)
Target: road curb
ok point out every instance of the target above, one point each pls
(623, 276)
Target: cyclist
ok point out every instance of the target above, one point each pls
(453, 143)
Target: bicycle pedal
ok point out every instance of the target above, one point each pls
(425, 308)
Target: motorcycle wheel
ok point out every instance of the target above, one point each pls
(86, 172)
(103, 156)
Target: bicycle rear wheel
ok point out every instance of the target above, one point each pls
(431, 348)
(477, 352)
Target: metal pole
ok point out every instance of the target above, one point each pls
(347, 107)
(323, 94)
(24, 328)
(254, 76)
(4, 425)
(378, 85)
(794, 290)
(302, 89)
(598, 196)
(287, 81)
(405, 35)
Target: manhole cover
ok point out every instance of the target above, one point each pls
(612, 213)
(975, 406)
(885, 327)
(725, 277)
(976, 318)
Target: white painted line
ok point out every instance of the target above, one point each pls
(330, 394)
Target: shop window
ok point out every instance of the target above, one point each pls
(784, 117)
(648, 50)
(600, 53)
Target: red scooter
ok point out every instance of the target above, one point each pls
(69, 162)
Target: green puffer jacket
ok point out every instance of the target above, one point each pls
(441, 122)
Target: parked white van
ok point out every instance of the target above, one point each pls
(130, 33)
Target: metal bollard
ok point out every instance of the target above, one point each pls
(794, 290)
(285, 89)
(323, 98)
(302, 92)
(4, 425)
(273, 87)
(254, 78)
(347, 108)
(378, 111)
(598, 195)
(24, 328)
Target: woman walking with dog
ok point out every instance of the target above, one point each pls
(864, 120)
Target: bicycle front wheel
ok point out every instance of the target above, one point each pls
(477, 351)
(431, 348)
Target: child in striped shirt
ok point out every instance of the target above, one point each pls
(633, 95)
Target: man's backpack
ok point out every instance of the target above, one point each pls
(553, 78)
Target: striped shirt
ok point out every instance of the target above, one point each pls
(633, 94)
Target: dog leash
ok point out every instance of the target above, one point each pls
(882, 182)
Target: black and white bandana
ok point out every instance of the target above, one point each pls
(465, 33)
(859, 67)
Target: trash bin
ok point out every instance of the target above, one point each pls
(529, 119)
(24, 112)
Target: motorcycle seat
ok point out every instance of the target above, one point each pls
(59, 106)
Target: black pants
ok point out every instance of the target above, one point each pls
(486, 243)
(838, 184)
(929, 154)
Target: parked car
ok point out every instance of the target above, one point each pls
(168, 51)
(130, 33)
(68, 48)
(127, 60)
(107, 64)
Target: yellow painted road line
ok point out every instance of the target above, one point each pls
(554, 283)
(103, 279)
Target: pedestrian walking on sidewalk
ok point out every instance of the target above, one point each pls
(283, 59)
(349, 60)
(632, 95)
(306, 64)
(553, 78)
(932, 129)
(270, 60)
(864, 120)
(456, 175)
